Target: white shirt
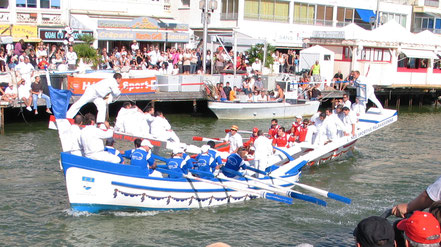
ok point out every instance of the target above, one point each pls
(159, 126)
(91, 139)
(10, 90)
(434, 190)
(347, 103)
(106, 86)
(134, 46)
(262, 98)
(71, 57)
(153, 57)
(235, 141)
(359, 109)
(263, 147)
(41, 53)
(23, 91)
(75, 134)
(257, 66)
(334, 126)
(349, 120)
(25, 70)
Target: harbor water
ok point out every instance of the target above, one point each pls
(389, 166)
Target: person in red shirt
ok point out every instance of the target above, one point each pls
(301, 131)
(273, 129)
(296, 124)
(252, 138)
(43, 64)
(282, 140)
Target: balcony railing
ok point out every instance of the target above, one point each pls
(51, 19)
(228, 16)
(4, 16)
(27, 18)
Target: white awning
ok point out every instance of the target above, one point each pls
(419, 54)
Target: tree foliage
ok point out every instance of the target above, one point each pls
(86, 51)
(257, 51)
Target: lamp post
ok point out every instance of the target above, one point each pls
(207, 7)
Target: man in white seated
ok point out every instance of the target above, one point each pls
(74, 136)
(119, 124)
(262, 97)
(92, 137)
(161, 128)
(349, 121)
(335, 126)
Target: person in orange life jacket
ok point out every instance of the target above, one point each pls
(109, 148)
(302, 131)
(205, 162)
(253, 137)
(213, 152)
(235, 161)
(295, 125)
(142, 155)
(177, 163)
(274, 128)
(282, 139)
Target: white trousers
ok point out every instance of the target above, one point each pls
(104, 156)
(371, 96)
(89, 96)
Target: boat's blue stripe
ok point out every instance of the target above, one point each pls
(376, 121)
(95, 208)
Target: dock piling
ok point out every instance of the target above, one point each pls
(2, 121)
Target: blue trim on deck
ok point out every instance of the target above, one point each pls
(96, 208)
(377, 122)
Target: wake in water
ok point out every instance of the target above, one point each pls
(74, 213)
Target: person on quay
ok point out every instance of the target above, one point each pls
(421, 229)
(374, 231)
(368, 91)
(280, 94)
(315, 71)
(98, 93)
(424, 200)
(263, 148)
(234, 139)
(37, 92)
(274, 128)
(235, 162)
(24, 94)
(91, 139)
(205, 162)
(283, 140)
(75, 147)
(109, 148)
(142, 157)
(214, 153)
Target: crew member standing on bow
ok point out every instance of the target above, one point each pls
(234, 139)
(98, 93)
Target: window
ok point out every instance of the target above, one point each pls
(4, 4)
(365, 54)
(399, 18)
(185, 3)
(324, 15)
(381, 55)
(268, 10)
(345, 16)
(26, 3)
(229, 9)
(347, 53)
(304, 13)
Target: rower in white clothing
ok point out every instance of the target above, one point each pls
(161, 128)
(349, 121)
(97, 93)
(234, 139)
(119, 124)
(74, 135)
(91, 139)
(263, 148)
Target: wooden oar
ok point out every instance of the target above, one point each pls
(206, 139)
(306, 187)
(279, 189)
(263, 194)
(240, 131)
